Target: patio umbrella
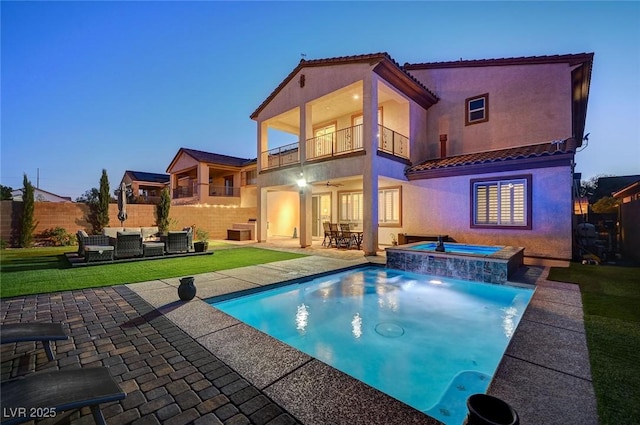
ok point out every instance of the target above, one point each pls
(122, 203)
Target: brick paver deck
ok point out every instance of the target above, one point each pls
(169, 378)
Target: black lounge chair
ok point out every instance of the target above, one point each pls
(45, 332)
(45, 394)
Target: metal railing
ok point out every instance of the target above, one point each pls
(391, 142)
(279, 157)
(184, 192)
(340, 142)
(224, 191)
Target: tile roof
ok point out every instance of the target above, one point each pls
(371, 58)
(216, 158)
(571, 59)
(149, 177)
(501, 155)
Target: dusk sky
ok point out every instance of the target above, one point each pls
(124, 85)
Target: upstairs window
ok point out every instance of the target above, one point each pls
(502, 203)
(477, 109)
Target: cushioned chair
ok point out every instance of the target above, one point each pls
(84, 239)
(127, 244)
(177, 241)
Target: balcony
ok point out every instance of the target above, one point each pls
(184, 192)
(279, 157)
(334, 144)
(338, 143)
(224, 191)
(393, 143)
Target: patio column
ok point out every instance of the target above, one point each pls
(261, 225)
(306, 230)
(369, 173)
(261, 230)
(203, 183)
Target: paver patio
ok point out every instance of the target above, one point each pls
(189, 363)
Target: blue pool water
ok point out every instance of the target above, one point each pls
(459, 248)
(428, 341)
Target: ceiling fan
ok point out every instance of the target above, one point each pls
(329, 184)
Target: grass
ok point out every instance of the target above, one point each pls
(611, 303)
(43, 270)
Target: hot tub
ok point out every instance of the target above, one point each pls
(480, 263)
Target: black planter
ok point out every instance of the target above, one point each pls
(187, 288)
(200, 246)
(488, 410)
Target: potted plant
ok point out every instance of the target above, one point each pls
(202, 241)
(394, 241)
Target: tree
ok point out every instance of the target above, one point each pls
(102, 212)
(162, 210)
(606, 205)
(28, 204)
(6, 192)
(91, 197)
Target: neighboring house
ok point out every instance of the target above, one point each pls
(40, 195)
(145, 187)
(198, 177)
(481, 150)
(629, 221)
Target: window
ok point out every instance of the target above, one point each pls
(249, 177)
(351, 206)
(502, 203)
(389, 206)
(477, 109)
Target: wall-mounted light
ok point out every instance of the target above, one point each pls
(301, 182)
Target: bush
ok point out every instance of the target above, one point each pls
(59, 236)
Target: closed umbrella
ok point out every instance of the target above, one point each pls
(122, 203)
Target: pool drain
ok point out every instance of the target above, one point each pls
(389, 330)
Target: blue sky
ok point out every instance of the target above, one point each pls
(124, 85)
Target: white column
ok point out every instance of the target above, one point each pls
(306, 127)
(369, 173)
(261, 225)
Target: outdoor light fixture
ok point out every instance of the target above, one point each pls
(301, 182)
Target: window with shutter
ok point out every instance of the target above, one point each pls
(502, 203)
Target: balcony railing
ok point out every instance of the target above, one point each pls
(279, 157)
(184, 192)
(391, 142)
(223, 191)
(337, 143)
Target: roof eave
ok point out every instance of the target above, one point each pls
(395, 76)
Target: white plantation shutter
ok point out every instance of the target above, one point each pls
(502, 203)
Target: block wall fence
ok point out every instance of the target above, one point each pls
(74, 216)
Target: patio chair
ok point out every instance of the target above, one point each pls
(85, 239)
(177, 241)
(44, 332)
(346, 236)
(45, 394)
(335, 234)
(127, 244)
(327, 233)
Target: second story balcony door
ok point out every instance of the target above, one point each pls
(228, 185)
(324, 140)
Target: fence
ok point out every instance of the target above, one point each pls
(75, 216)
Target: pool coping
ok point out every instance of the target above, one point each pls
(315, 393)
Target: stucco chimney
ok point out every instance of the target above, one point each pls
(443, 146)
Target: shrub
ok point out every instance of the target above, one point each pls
(59, 236)
(27, 225)
(162, 210)
(102, 212)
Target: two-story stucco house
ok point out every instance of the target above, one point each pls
(198, 177)
(480, 150)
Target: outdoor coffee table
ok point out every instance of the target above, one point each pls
(152, 249)
(95, 253)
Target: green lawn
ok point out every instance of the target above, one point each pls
(611, 302)
(42, 270)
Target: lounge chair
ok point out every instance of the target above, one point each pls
(45, 332)
(45, 394)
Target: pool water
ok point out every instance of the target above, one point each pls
(428, 341)
(458, 248)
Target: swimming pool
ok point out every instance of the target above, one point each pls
(428, 341)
